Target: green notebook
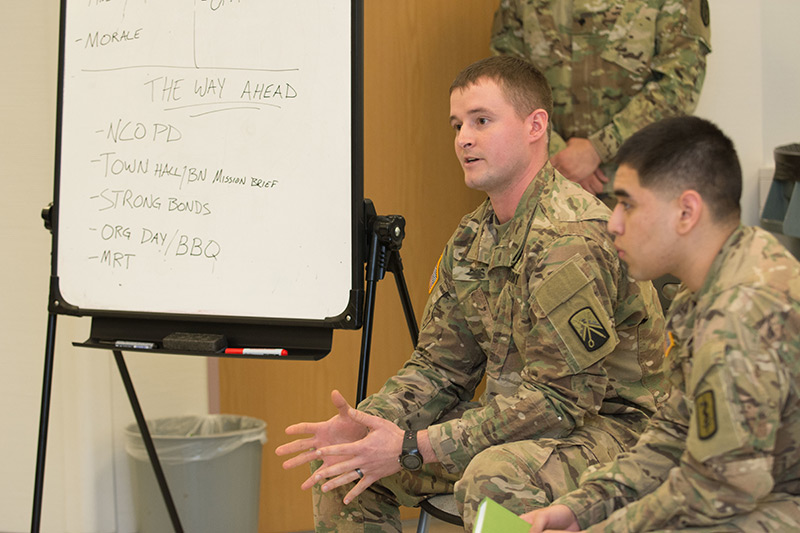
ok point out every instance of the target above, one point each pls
(494, 518)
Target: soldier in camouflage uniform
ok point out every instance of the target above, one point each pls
(614, 68)
(528, 292)
(723, 453)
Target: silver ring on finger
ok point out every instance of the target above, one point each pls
(360, 473)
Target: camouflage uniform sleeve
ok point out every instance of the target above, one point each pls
(507, 39)
(734, 393)
(507, 31)
(445, 368)
(682, 41)
(563, 383)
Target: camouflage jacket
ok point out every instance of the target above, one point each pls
(547, 312)
(728, 435)
(614, 66)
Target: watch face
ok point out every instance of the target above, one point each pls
(411, 461)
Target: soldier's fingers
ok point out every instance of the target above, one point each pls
(351, 448)
(325, 471)
(309, 482)
(339, 402)
(350, 476)
(371, 421)
(360, 487)
(295, 446)
(303, 458)
(303, 428)
(592, 184)
(345, 467)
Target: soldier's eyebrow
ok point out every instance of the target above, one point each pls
(472, 112)
(621, 193)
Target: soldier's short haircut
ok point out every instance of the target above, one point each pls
(523, 84)
(687, 152)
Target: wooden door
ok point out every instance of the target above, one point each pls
(413, 49)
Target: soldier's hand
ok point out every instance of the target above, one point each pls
(578, 161)
(594, 183)
(336, 430)
(553, 518)
(366, 460)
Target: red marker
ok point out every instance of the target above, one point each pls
(256, 351)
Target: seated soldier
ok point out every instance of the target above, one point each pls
(723, 453)
(528, 292)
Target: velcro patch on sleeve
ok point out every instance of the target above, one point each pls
(588, 328)
(706, 414)
(435, 274)
(568, 301)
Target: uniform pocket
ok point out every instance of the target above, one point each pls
(567, 300)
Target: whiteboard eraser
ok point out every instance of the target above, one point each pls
(195, 342)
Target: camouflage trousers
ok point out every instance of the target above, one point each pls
(522, 476)
(526, 475)
(377, 509)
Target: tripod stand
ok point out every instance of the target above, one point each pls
(385, 234)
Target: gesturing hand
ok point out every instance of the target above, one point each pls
(336, 430)
(375, 456)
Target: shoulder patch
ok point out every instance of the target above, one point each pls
(706, 413)
(588, 328)
(435, 274)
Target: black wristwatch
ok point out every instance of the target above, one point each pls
(410, 458)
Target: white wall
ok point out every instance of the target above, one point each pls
(733, 96)
(751, 91)
(752, 84)
(780, 75)
(86, 475)
(781, 82)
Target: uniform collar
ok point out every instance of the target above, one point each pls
(680, 316)
(508, 250)
(730, 245)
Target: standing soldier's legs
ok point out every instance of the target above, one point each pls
(526, 475)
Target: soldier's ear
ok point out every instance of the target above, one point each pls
(537, 121)
(691, 207)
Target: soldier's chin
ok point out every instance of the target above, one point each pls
(637, 273)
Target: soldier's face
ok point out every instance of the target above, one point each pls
(643, 225)
(491, 139)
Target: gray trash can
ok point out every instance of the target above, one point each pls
(213, 468)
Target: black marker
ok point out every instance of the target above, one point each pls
(138, 345)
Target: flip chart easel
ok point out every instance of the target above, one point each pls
(208, 179)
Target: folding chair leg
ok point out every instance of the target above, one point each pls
(424, 521)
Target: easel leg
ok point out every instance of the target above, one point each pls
(374, 273)
(148, 442)
(44, 419)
